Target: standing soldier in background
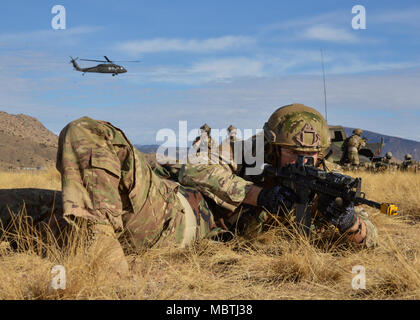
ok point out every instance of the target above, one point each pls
(351, 147)
(227, 147)
(204, 143)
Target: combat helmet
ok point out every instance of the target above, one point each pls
(206, 128)
(357, 132)
(297, 127)
(231, 127)
(408, 156)
(388, 155)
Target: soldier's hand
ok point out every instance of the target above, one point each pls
(277, 199)
(340, 214)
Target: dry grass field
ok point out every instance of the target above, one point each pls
(274, 265)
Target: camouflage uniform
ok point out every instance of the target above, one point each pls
(201, 145)
(227, 147)
(107, 181)
(386, 164)
(303, 129)
(248, 218)
(408, 164)
(353, 144)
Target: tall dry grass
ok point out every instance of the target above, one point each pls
(48, 179)
(273, 265)
(402, 188)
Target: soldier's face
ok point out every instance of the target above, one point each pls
(289, 156)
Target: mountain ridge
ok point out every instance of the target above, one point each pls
(25, 143)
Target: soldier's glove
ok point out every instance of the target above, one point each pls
(277, 199)
(339, 214)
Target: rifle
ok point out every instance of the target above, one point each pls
(307, 180)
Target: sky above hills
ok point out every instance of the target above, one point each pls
(218, 62)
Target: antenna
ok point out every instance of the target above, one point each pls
(325, 89)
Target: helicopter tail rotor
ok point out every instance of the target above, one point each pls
(75, 65)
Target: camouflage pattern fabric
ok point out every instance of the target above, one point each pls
(107, 181)
(383, 165)
(354, 144)
(202, 146)
(298, 127)
(215, 181)
(226, 148)
(410, 166)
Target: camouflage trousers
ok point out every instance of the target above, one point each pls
(107, 181)
(353, 157)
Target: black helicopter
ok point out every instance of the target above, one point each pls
(107, 67)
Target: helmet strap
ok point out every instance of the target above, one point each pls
(277, 156)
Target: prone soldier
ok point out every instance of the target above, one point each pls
(409, 164)
(108, 183)
(386, 164)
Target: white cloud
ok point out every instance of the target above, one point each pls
(185, 45)
(406, 16)
(46, 35)
(329, 34)
(358, 66)
(387, 103)
(335, 17)
(214, 70)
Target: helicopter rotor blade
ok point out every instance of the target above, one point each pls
(127, 61)
(106, 58)
(93, 60)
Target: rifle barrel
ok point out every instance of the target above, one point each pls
(370, 203)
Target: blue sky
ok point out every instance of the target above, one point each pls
(219, 62)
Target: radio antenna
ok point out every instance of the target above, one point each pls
(325, 88)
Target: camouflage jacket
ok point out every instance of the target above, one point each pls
(355, 143)
(201, 145)
(221, 184)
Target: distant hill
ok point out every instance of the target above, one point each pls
(147, 148)
(150, 149)
(398, 146)
(25, 143)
